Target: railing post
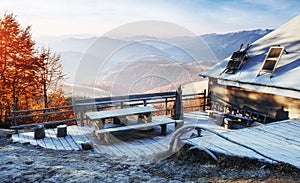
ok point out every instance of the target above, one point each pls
(14, 115)
(145, 102)
(166, 104)
(204, 100)
(81, 117)
(178, 108)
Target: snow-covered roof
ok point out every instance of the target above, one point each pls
(285, 80)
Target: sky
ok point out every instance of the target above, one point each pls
(97, 17)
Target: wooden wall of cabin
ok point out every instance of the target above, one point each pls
(265, 103)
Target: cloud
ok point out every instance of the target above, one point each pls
(99, 16)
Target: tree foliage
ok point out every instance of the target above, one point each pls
(50, 75)
(28, 77)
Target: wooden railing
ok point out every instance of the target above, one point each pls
(164, 101)
(45, 116)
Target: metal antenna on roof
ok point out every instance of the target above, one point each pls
(248, 46)
(241, 46)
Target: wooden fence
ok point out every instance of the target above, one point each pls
(163, 101)
(46, 116)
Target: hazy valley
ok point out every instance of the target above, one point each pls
(98, 66)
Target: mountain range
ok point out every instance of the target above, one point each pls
(223, 45)
(105, 63)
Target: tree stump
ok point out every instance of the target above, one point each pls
(39, 132)
(61, 131)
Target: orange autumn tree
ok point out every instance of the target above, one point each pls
(18, 65)
(22, 70)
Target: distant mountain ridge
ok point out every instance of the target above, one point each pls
(206, 49)
(223, 45)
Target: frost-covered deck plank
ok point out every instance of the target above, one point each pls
(58, 145)
(75, 134)
(132, 145)
(271, 150)
(31, 139)
(88, 132)
(48, 141)
(71, 142)
(279, 141)
(65, 144)
(220, 145)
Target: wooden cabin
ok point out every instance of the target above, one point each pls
(263, 78)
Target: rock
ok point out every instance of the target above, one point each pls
(9, 163)
(87, 145)
(29, 162)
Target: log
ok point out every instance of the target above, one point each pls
(61, 131)
(39, 132)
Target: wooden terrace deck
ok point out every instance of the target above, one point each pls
(132, 145)
(278, 141)
(274, 142)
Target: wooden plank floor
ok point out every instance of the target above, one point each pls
(130, 144)
(279, 141)
(275, 142)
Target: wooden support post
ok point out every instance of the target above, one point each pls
(166, 104)
(149, 117)
(14, 116)
(178, 107)
(39, 132)
(81, 117)
(99, 124)
(163, 129)
(106, 137)
(227, 123)
(116, 120)
(204, 100)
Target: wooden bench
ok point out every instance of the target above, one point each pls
(144, 112)
(144, 120)
(230, 119)
(106, 132)
(83, 106)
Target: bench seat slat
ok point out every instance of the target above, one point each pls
(137, 126)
